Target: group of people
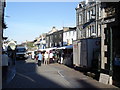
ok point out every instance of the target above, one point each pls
(45, 58)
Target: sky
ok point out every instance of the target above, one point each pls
(27, 20)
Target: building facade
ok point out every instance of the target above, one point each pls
(49, 37)
(88, 18)
(69, 35)
(40, 42)
(86, 49)
(54, 39)
(58, 38)
(101, 20)
(110, 46)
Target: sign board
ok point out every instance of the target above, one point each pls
(108, 21)
(104, 78)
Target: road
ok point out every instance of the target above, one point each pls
(29, 75)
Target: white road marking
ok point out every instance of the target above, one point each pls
(60, 74)
(26, 77)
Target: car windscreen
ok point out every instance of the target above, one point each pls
(21, 50)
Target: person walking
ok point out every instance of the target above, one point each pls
(51, 57)
(40, 57)
(46, 59)
(32, 55)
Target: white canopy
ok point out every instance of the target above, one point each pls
(66, 47)
(48, 49)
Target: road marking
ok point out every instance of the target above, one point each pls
(26, 77)
(10, 78)
(60, 74)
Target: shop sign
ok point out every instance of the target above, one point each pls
(109, 21)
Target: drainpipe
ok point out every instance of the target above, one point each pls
(96, 19)
(111, 58)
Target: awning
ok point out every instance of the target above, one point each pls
(66, 47)
(48, 49)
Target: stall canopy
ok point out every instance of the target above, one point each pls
(66, 47)
(48, 49)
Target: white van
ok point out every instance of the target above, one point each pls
(21, 52)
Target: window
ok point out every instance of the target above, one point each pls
(90, 30)
(55, 44)
(72, 33)
(43, 38)
(80, 19)
(99, 12)
(60, 35)
(55, 36)
(66, 33)
(87, 33)
(69, 34)
(87, 16)
(99, 30)
(93, 11)
(93, 30)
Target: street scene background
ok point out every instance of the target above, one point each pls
(60, 44)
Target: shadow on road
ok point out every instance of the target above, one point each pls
(85, 84)
(27, 77)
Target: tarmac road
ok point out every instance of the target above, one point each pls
(29, 75)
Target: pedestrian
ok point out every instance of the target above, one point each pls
(46, 59)
(40, 57)
(32, 55)
(43, 58)
(62, 57)
(51, 57)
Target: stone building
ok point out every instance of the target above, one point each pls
(88, 28)
(49, 38)
(69, 35)
(54, 38)
(88, 16)
(101, 20)
(58, 38)
(110, 46)
(40, 42)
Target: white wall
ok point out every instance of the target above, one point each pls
(69, 36)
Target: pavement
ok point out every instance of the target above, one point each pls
(11, 71)
(30, 75)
